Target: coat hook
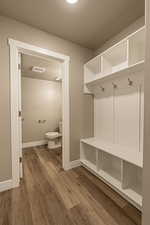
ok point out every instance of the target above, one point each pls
(102, 88)
(114, 85)
(130, 82)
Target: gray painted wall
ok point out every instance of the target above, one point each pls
(12, 29)
(41, 100)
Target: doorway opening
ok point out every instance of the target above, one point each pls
(35, 53)
(41, 106)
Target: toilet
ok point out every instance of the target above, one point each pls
(54, 138)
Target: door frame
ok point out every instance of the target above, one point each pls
(17, 47)
(20, 117)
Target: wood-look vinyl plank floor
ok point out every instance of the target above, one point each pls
(48, 195)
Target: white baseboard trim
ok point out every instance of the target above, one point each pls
(6, 185)
(34, 143)
(75, 163)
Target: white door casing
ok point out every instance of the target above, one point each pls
(17, 47)
(20, 114)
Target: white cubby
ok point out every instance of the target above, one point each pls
(99, 160)
(110, 169)
(111, 166)
(132, 177)
(115, 59)
(137, 47)
(122, 59)
(88, 156)
(92, 69)
(132, 181)
(124, 177)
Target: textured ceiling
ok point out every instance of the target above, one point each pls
(89, 22)
(53, 67)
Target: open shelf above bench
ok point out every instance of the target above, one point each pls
(115, 58)
(121, 73)
(122, 59)
(137, 47)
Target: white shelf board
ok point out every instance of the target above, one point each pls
(111, 179)
(123, 72)
(88, 164)
(115, 150)
(134, 196)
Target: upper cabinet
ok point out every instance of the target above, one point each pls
(123, 58)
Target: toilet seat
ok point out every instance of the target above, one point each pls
(54, 139)
(52, 135)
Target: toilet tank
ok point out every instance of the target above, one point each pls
(60, 127)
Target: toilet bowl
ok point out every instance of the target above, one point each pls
(54, 138)
(51, 135)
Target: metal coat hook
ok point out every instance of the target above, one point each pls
(130, 82)
(102, 88)
(114, 85)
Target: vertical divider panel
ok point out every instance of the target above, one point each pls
(102, 63)
(128, 51)
(114, 118)
(99, 160)
(141, 91)
(126, 176)
(122, 175)
(81, 151)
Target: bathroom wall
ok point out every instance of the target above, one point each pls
(41, 100)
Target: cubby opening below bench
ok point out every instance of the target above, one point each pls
(123, 176)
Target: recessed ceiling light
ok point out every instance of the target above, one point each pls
(72, 1)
